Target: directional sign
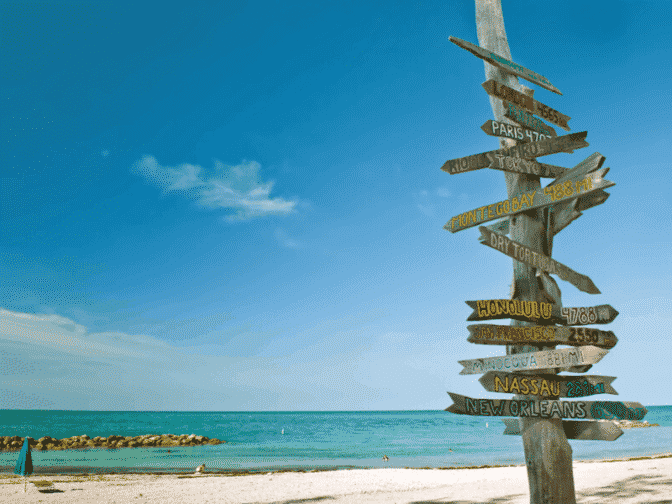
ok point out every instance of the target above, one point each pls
(551, 145)
(486, 159)
(521, 253)
(552, 386)
(526, 119)
(535, 311)
(512, 131)
(492, 334)
(503, 92)
(565, 212)
(505, 64)
(575, 429)
(526, 201)
(535, 360)
(547, 408)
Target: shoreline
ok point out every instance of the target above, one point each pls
(623, 481)
(6, 471)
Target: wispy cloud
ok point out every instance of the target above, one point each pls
(285, 240)
(237, 188)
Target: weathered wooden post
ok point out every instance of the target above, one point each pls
(531, 216)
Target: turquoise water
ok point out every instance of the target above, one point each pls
(255, 440)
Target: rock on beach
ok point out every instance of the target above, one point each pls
(14, 443)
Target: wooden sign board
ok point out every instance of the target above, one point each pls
(525, 119)
(568, 211)
(530, 361)
(492, 334)
(524, 254)
(514, 132)
(574, 429)
(486, 159)
(551, 145)
(505, 64)
(547, 408)
(504, 92)
(547, 385)
(534, 311)
(523, 202)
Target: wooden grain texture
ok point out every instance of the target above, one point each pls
(526, 119)
(540, 312)
(504, 92)
(505, 64)
(524, 254)
(551, 145)
(534, 361)
(551, 386)
(547, 408)
(548, 455)
(587, 430)
(494, 334)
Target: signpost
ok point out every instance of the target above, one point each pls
(531, 361)
(574, 429)
(547, 408)
(526, 201)
(507, 65)
(535, 312)
(491, 334)
(536, 214)
(488, 159)
(537, 260)
(504, 92)
(526, 119)
(547, 385)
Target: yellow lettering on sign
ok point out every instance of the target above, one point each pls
(535, 389)
(504, 385)
(515, 205)
(544, 388)
(514, 384)
(524, 388)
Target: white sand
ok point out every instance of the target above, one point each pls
(627, 481)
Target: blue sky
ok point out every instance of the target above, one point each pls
(239, 206)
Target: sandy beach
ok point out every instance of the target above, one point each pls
(639, 480)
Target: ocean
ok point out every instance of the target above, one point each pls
(270, 441)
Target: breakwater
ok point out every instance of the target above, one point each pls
(14, 443)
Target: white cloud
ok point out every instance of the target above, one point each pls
(285, 240)
(236, 188)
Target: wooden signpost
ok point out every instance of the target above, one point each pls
(574, 429)
(547, 408)
(532, 216)
(504, 92)
(509, 66)
(535, 312)
(526, 119)
(492, 334)
(524, 254)
(545, 385)
(527, 201)
(512, 131)
(531, 361)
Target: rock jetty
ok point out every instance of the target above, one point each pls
(14, 443)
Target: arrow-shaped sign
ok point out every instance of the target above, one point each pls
(566, 211)
(551, 145)
(486, 160)
(512, 131)
(575, 429)
(492, 334)
(525, 119)
(536, 311)
(505, 64)
(530, 361)
(521, 253)
(547, 408)
(504, 92)
(547, 385)
(526, 201)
